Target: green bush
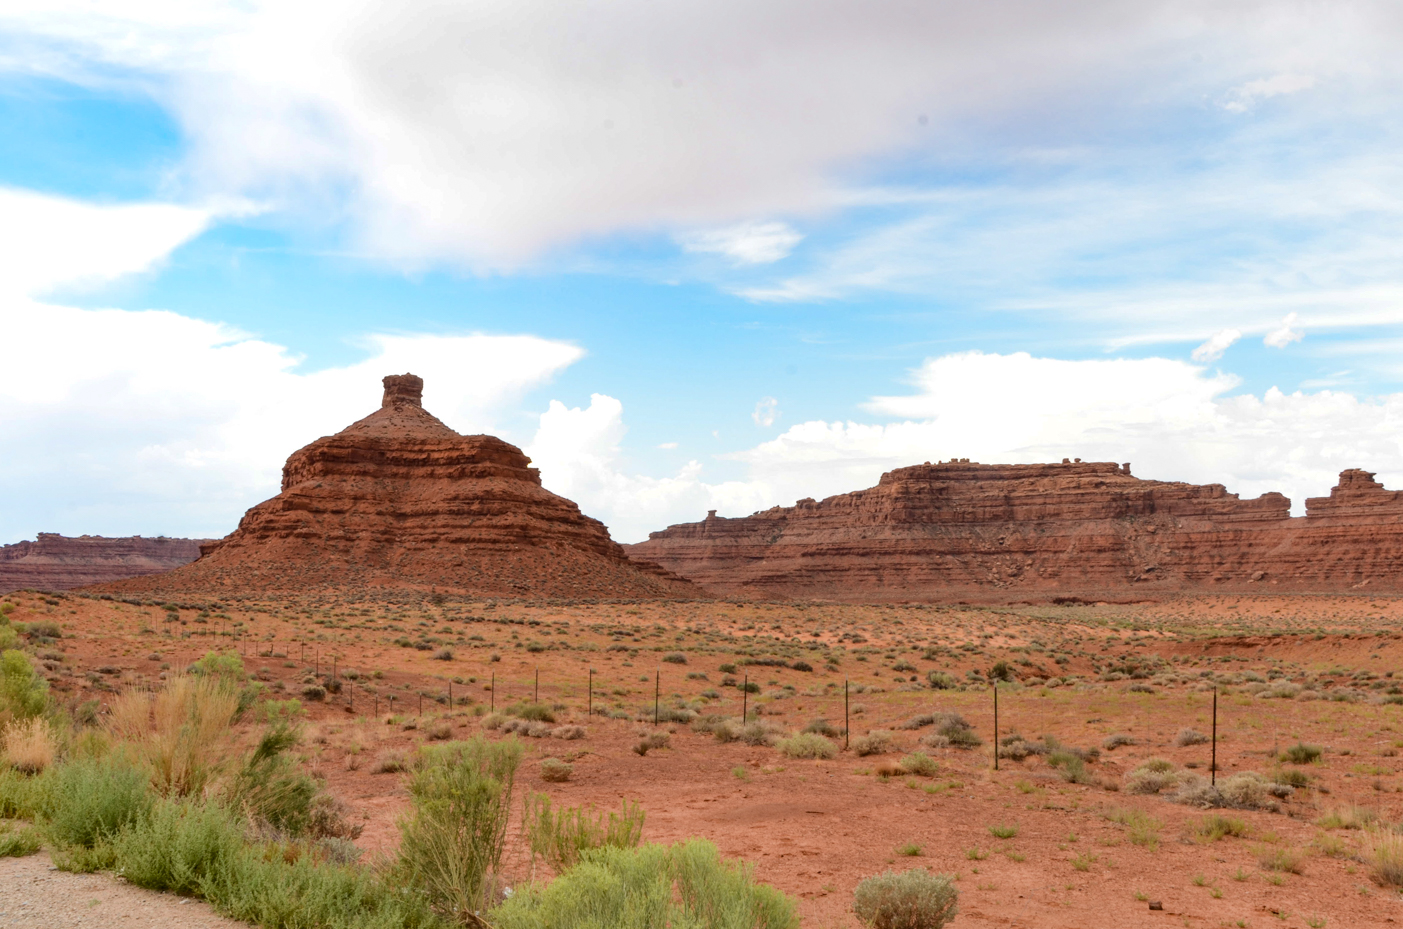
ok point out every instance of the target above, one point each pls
(228, 667)
(178, 845)
(561, 836)
(919, 763)
(271, 788)
(1301, 753)
(940, 680)
(24, 693)
(452, 844)
(537, 712)
(23, 796)
(914, 899)
(641, 888)
(18, 841)
(94, 799)
(807, 745)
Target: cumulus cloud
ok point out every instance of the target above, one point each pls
(1217, 343)
(486, 133)
(746, 244)
(47, 241)
(1242, 98)
(1284, 335)
(1170, 419)
(153, 422)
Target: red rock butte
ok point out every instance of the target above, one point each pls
(57, 562)
(399, 500)
(1090, 530)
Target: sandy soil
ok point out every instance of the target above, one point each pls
(816, 828)
(36, 895)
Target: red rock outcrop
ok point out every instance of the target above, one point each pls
(398, 499)
(56, 562)
(1083, 529)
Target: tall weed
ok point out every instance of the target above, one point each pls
(561, 836)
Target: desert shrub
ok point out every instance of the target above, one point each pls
(675, 714)
(1112, 742)
(271, 788)
(528, 727)
(1152, 776)
(1070, 766)
(227, 667)
(29, 744)
(18, 841)
(494, 721)
(1215, 827)
(1245, 791)
(940, 680)
(675, 658)
(1141, 828)
(649, 741)
(22, 796)
(1291, 777)
(314, 692)
(1189, 736)
(1383, 850)
(1280, 859)
(1347, 817)
(824, 728)
(560, 836)
(807, 745)
(94, 799)
(914, 899)
(556, 771)
(182, 734)
(957, 732)
(24, 693)
(921, 764)
(918, 722)
(536, 712)
(800, 666)
(876, 742)
(388, 763)
(687, 884)
(177, 845)
(1002, 671)
(451, 845)
(568, 733)
(438, 732)
(443, 654)
(1301, 753)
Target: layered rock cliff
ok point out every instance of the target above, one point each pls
(398, 499)
(1087, 529)
(56, 562)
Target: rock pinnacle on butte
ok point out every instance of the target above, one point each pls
(400, 500)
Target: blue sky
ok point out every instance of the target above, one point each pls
(691, 258)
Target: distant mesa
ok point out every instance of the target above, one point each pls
(57, 562)
(399, 500)
(961, 530)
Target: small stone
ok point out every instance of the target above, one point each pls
(1156, 905)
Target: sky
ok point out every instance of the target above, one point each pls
(694, 256)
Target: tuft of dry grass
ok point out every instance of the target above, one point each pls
(30, 745)
(1383, 850)
(182, 734)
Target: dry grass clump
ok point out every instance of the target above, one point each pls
(1245, 791)
(1215, 827)
(1281, 859)
(648, 741)
(914, 899)
(389, 763)
(920, 764)
(807, 745)
(563, 835)
(1189, 736)
(1112, 742)
(536, 729)
(951, 731)
(556, 771)
(568, 733)
(1347, 817)
(1383, 850)
(29, 745)
(876, 742)
(1141, 828)
(1152, 776)
(182, 734)
(759, 732)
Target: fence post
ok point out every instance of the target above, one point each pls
(450, 695)
(351, 697)
(744, 699)
(591, 693)
(996, 725)
(847, 728)
(1213, 764)
(657, 689)
(536, 694)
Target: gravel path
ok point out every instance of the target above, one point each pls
(35, 895)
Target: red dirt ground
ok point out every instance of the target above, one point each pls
(816, 828)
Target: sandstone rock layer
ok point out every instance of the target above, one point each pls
(398, 499)
(1078, 529)
(56, 562)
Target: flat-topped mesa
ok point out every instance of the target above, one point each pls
(57, 562)
(1091, 529)
(398, 499)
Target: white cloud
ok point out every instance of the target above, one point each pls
(1243, 97)
(489, 132)
(667, 445)
(1217, 343)
(766, 412)
(1172, 420)
(1284, 335)
(746, 244)
(153, 422)
(47, 242)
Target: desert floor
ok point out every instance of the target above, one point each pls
(1287, 670)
